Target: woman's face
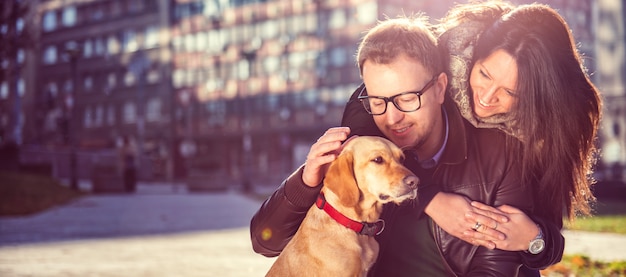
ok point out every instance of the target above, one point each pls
(493, 81)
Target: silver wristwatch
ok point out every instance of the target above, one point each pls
(537, 245)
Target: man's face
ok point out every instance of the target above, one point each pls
(421, 129)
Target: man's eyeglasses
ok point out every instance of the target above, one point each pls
(406, 102)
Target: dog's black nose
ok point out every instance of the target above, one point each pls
(411, 181)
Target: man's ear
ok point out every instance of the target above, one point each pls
(441, 86)
(340, 179)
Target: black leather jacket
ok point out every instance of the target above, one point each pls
(475, 164)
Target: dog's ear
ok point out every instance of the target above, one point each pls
(341, 180)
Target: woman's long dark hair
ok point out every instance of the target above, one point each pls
(559, 108)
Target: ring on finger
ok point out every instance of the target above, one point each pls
(475, 228)
(495, 228)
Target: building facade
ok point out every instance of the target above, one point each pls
(231, 91)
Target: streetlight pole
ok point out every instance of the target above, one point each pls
(139, 65)
(73, 51)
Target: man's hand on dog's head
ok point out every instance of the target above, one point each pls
(324, 151)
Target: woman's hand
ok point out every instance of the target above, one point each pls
(454, 214)
(518, 231)
(322, 153)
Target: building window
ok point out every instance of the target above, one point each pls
(53, 91)
(178, 78)
(49, 21)
(151, 37)
(177, 43)
(68, 86)
(153, 110)
(271, 64)
(50, 55)
(216, 41)
(19, 25)
(4, 90)
(129, 112)
(99, 46)
(113, 45)
(153, 76)
(88, 83)
(87, 120)
(337, 19)
(111, 116)
(129, 79)
(129, 41)
(21, 87)
(338, 56)
(69, 16)
(111, 80)
(269, 29)
(87, 48)
(97, 13)
(20, 56)
(201, 41)
(190, 43)
(98, 117)
(366, 12)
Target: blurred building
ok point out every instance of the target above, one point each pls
(259, 81)
(610, 59)
(231, 90)
(103, 73)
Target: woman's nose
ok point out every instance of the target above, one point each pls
(489, 95)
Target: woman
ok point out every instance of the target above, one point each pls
(518, 69)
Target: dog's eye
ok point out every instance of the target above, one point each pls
(378, 160)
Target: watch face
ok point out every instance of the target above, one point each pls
(536, 246)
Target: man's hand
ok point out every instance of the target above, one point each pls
(322, 153)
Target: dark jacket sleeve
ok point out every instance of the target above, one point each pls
(555, 245)
(508, 190)
(280, 216)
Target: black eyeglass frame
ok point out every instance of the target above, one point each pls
(392, 99)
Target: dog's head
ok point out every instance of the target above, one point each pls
(371, 168)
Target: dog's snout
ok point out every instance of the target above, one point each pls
(411, 181)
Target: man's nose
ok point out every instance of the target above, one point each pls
(393, 114)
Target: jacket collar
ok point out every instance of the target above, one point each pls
(456, 146)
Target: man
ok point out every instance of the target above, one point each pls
(404, 92)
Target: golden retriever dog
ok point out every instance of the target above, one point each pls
(336, 237)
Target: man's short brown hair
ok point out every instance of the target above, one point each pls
(409, 35)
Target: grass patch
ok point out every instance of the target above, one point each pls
(580, 265)
(600, 223)
(23, 194)
(609, 217)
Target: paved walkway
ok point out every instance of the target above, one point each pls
(161, 231)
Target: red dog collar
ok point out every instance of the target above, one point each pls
(363, 228)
